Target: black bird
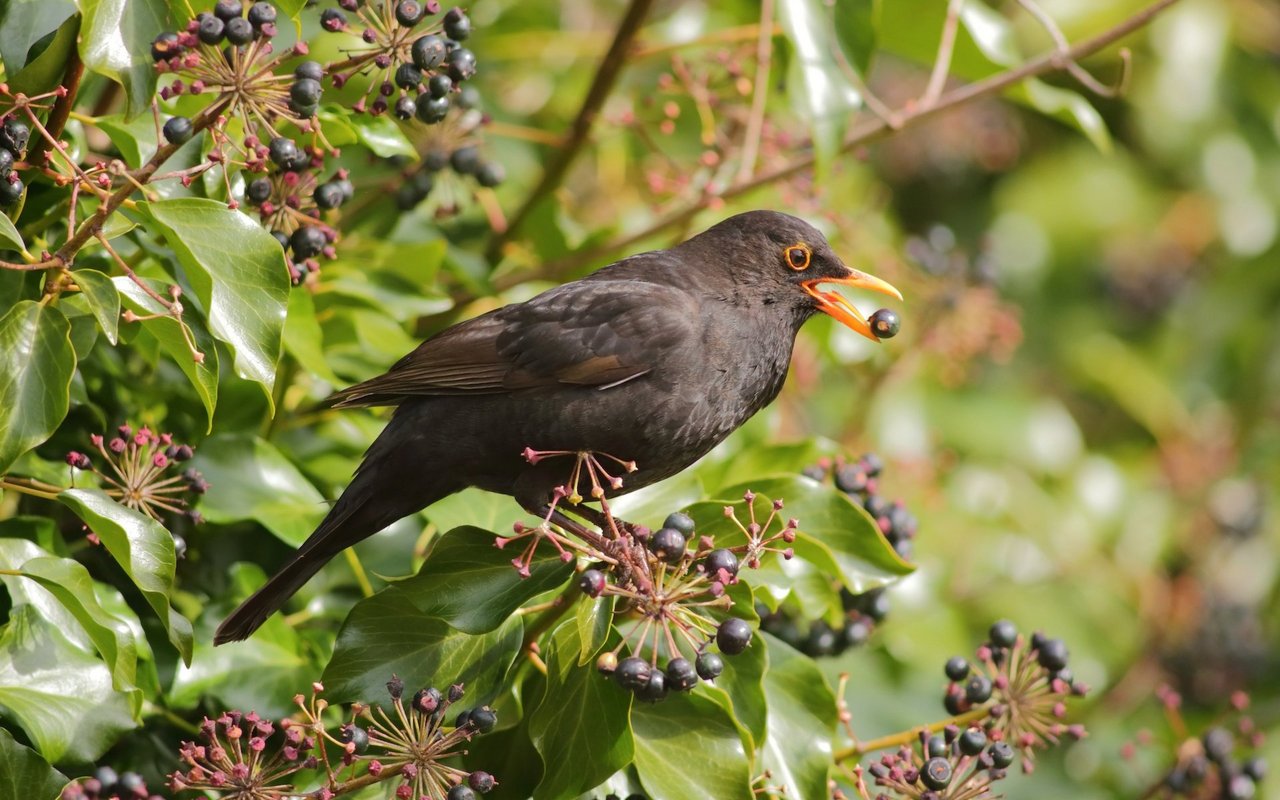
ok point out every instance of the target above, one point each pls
(654, 359)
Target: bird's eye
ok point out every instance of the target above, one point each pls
(798, 257)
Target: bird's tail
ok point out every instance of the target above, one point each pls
(363, 510)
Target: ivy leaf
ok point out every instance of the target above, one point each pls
(857, 26)
(136, 139)
(10, 239)
(580, 725)
(689, 746)
(116, 42)
(143, 548)
(24, 775)
(469, 583)
(594, 618)
(819, 88)
(495, 512)
(303, 338)
(382, 136)
(59, 694)
(238, 272)
(250, 479)
(167, 332)
(23, 23)
(802, 721)
(103, 299)
(36, 365)
(387, 633)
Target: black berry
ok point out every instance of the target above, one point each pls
(462, 64)
(432, 109)
(656, 689)
(1052, 655)
(408, 12)
(957, 668)
(721, 559)
(282, 238)
(10, 190)
(1241, 787)
(258, 190)
(591, 582)
(681, 674)
(972, 741)
(465, 160)
(457, 25)
(107, 777)
(436, 160)
(132, 783)
(428, 51)
(461, 792)
(305, 92)
(226, 10)
(681, 522)
(936, 773)
(405, 108)
(936, 746)
(239, 30)
(1002, 755)
(1219, 745)
(482, 782)
(429, 699)
(483, 719)
(333, 20)
(14, 135)
(283, 151)
(165, 46)
(306, 242)
(439, 85)
(328, 195)
(211, 30)
(177, 130)
(733, 636)
(884, 323)
(668, 545)
(978, 689)
(633, 673)
(875, 604)
(354, 735)
(850, 479)
(856, 632)
(6, 162)
(1003, 633)
(709, 666)
(262, 14)
(1255, 768)
(312, 70)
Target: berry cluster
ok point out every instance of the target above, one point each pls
(861, 614)
(445, 167)
(1221, 764)
(1017, 689)
(423, 66)
(14, 136)
(107, 784)
(860, 480)
(669, 617)
(957, 764)
(139, 463)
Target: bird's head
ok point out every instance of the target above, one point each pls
(783, 256)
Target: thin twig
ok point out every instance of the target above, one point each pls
(1078, 72)
(862, 134)
(61, 106)
(755, 123)
(942, 63)
(606, 76)
(858, 749)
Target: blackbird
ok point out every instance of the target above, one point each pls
(654, 359)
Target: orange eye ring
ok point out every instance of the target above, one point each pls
(797, 257)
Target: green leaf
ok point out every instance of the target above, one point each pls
(103, 299)
(802, 721)
(10, 239)
(689, 746)
(387, 634)
(116, 43)
(68, 582)
(167, 332)
(495, 512)
(24, 775)
(23, 23)
(250, 479)
(818, 87)
(594, 618)
(469, 583)
(303, 338)
(238, 272)
(36, 365)
(857, 24)
(136, 138)
(382, 136)
(580, 725)
(46, 70)
(59, 694)
(143, 548)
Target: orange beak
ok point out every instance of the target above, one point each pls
(840, 308)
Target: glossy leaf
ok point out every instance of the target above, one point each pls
(250, 479)
(303, 338)
(136, 138)
(23, 23)
(494, 512)
(36, 365)
(382, 136)
(10, 239)
(580, 724)
(857, 26)
(802, 721)
(24, 775)
(469, 583)
(60, 695)
(386, 634)
(168, 333)
(821, 91)
(116, 42)
(594, 618)
(689, 746)
(47, 69)
(238, 272)
(103, 299)
(143, 548)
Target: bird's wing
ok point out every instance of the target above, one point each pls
(589, 333)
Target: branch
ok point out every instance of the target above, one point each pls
(606, 76)
(864, 133)
(859, 749)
